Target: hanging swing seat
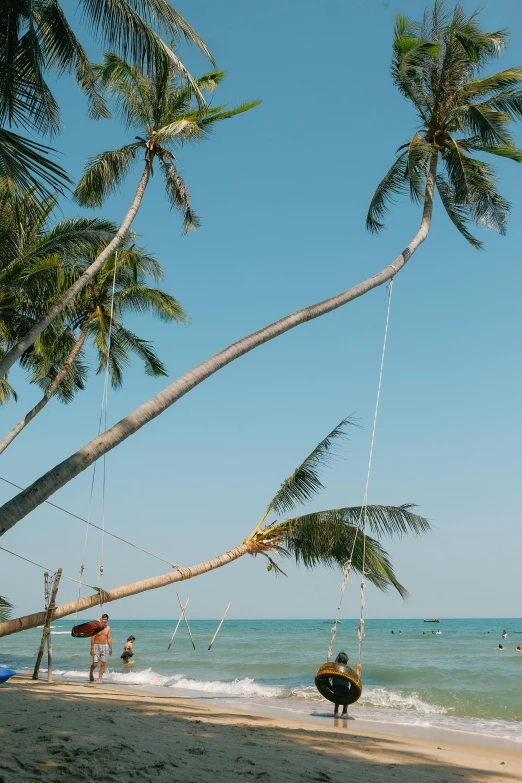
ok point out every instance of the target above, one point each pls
(85, 630)
(338, 683)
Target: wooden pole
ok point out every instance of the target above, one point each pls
(177, 626)
(186, 621)
(47, 628)
(219, 626)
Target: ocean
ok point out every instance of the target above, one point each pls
(457, 680)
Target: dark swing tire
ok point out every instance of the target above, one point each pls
(323, 685)
(85, 630)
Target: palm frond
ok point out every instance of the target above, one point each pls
(217, 114)
(459, 214)
(478, 88)
(509, 102)
(474, 183)
(210, 81)
(122, 23)
(103, 175)
(23, 162)
(7, 392)
(417, 165)
(5, 609)
(412, 60)
(380, 520)
(392, 184)
(124, 342)
(64, 53)
(178, 195)
(128, 86)
(75, 238)
(320, 539)
(304, 482)
(488, 123)
(143, 299)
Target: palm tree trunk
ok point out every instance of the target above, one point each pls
(9, 438)
(31, 497)
(28, 339)
(178, 575)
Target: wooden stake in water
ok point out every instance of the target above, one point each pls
(219, 626)
(47, 631)
(186, 621)
(177, 626)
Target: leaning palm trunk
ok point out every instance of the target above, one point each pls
(178, 575)
(29, 338)
(9, 438)
(30, 498)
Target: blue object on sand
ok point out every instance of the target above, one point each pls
(6, 673)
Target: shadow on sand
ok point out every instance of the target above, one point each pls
(68, 732)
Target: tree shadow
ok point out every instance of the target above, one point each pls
(67, 732)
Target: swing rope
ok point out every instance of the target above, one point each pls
(105, 407)
(363, 516)
(102, 420)
(91, 524)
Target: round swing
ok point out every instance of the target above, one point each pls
(338, 682)
(328, 677)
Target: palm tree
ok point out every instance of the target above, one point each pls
(36, 37)
(163, 109)
(118, 288)
(460, 51)
(34, 253)
(333, 538)
(438, 66)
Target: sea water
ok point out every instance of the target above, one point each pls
(458, 679)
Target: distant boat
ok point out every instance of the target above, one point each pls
(432, 621)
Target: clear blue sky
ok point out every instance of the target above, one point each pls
(282, 193)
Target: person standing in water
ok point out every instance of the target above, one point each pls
(127, 650)
(340, 686)
(101, 646)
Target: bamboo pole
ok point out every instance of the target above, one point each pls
(47, 628)
(177, 626)
(219, 626)
(186, 621)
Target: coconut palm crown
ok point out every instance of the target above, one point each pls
(163, 110)
(438, 65)
(36, 38)
(333, 537)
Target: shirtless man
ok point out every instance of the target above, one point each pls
(101, 644)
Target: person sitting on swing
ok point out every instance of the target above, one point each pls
(340, 686)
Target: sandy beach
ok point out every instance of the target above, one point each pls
(71, 731)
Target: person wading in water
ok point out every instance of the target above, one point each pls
(101, 646)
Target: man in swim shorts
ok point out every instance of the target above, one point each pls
(101, 646)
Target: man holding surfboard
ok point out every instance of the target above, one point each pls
(101, 646)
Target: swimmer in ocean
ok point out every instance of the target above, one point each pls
(127, 650)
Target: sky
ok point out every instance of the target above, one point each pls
(283, 192)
